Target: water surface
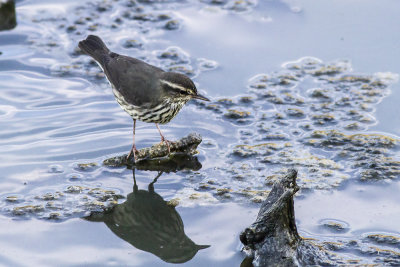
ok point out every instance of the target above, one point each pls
(57, 111)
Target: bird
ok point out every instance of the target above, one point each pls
(147, 93)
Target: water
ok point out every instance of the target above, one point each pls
(57, 111)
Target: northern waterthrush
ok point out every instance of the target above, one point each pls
(145, 92)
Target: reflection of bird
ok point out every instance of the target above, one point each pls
(145, 92)
(147, 222)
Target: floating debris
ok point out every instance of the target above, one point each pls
(335, 226)
(91, 166)
(384, 239)
(309, 128)
(75, 201)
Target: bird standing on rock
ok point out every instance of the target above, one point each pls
(145, 92)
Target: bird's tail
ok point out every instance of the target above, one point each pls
(95, 47)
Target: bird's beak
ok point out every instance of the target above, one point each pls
(200, 97)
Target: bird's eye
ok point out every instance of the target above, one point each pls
(185, 92)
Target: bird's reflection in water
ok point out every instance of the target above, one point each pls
(146, 221)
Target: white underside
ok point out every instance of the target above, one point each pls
(161, 113)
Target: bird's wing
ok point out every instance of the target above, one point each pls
(136, 80)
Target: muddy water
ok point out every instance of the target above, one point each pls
(305, 85)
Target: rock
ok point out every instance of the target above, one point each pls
(157, 158)
(272, 239)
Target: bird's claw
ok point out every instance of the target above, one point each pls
(163, 140)
(134, 151)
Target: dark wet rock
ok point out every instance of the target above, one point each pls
(273, 240)
(8, 19)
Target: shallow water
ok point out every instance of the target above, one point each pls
(57, 111)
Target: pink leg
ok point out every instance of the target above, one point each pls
(163, 138)
(133, 149)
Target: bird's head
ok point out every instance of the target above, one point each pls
(180, 86)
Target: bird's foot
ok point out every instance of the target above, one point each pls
(133, 151)
(167, 142)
